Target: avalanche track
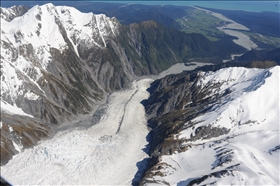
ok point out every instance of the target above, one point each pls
(106, 153)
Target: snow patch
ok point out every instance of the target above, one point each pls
(12, 109)
(31, 96)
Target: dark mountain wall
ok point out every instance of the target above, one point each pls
(260, 55)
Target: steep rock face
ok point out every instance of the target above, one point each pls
(174, 100)
(209, 127)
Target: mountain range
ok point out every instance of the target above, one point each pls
(58, 64)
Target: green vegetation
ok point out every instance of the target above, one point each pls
(198, 21)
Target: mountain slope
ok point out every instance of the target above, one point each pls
(42, 72)
(215, 128)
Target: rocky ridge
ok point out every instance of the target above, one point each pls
(198, 120)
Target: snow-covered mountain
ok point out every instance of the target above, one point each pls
(43, 79)
(215, 128)
(28, 43)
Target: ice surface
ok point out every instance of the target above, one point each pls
(105, 154)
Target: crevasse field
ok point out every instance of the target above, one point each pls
(105, 153)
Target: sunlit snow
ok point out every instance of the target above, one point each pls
(245, 155)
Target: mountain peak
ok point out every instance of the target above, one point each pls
(8, 14)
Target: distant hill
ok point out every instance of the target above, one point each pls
(261, 55)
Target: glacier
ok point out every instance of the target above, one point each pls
(105, 153)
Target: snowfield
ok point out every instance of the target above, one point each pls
(104, 154)
(248, 154)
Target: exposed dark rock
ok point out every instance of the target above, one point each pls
(175, 100)
(271, 58)
(261, 64)
(3, 182)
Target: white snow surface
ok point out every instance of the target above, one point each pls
(6, 12)
(251, 113)
(12, 109)
(75, 22)
(104, 154)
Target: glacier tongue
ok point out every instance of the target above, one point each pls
(97, 155)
